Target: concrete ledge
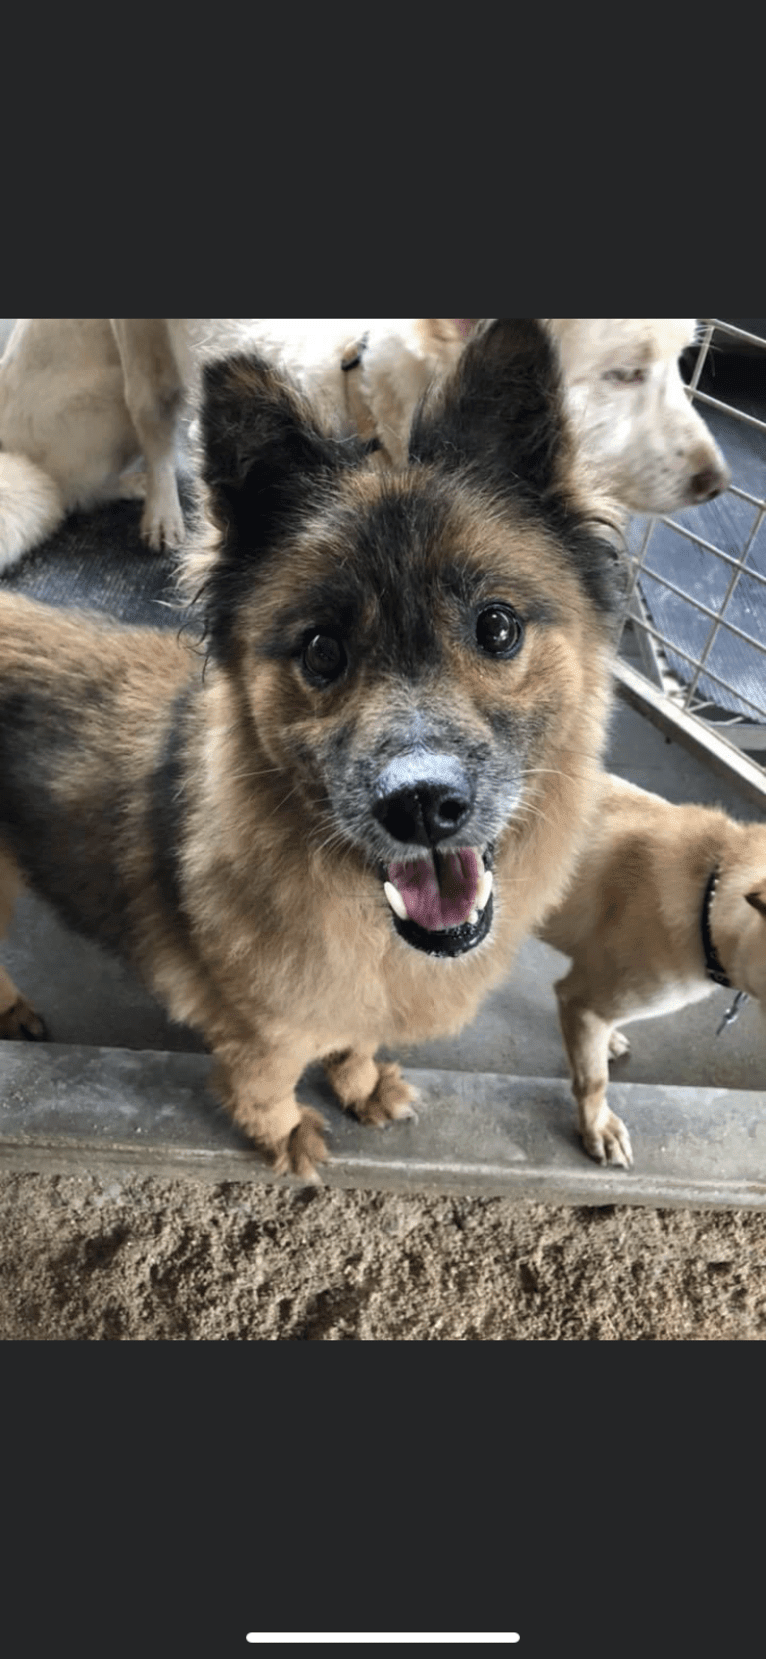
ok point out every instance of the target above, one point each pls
(65, 1108)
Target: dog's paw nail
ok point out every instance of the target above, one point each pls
(22, 1024)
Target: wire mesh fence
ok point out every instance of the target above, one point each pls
(697, 604)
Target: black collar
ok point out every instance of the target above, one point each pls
(713, 964)
(352, 355)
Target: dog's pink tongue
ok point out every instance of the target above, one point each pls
(438, 892)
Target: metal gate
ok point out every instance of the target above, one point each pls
(693, 656)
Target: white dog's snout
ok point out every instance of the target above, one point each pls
(710, 478)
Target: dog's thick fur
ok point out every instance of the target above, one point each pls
(82, 399)
(407, 672)
(631, 923)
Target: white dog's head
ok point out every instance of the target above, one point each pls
(638, 428)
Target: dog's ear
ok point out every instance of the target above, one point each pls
(263, 449)
(500, 418)
(500, 410)
(758, 899)
(265, 459)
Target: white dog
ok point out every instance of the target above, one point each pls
(646, 442)
(81, 400)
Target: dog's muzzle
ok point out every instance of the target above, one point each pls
(440, 896)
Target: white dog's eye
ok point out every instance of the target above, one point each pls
(626, 377)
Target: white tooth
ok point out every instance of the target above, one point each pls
(474, 917)
(485, 888)
(395, 900)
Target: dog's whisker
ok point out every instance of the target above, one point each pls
(556, 772)
(283, 802)
(528, 809)
(584, 775)
(264, 772)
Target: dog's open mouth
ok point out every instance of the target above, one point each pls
(441, 901)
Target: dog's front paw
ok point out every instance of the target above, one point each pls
(162, 522)
(390, 1100)
(607, 1140)
(303, 1148)
(373, 1090)
(165, 531)
(619, 1044)
(20, 1023)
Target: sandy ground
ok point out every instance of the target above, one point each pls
(143, 1259)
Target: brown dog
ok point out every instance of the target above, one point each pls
(335, 830)
(666, 902)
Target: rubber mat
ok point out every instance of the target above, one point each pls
(98, 561)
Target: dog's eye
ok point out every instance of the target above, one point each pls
(626, 377)
(324, 657)
(498, 630)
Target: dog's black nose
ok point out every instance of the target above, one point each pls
(423, 798)
(711, 481)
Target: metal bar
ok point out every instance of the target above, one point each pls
(638, 558)
(679, 652)
(733, 580)
(739, 333)
(752, 738)
(702, 740)
(644, 642)
(726, 409)
(743, 495)
(709, 546)
(702, 354)
(715, 616)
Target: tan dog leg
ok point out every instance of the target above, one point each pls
(18, 1019)
(374, 1091)
(586, 1038)
(131, 486)
(258, 1093)
(154, 396)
